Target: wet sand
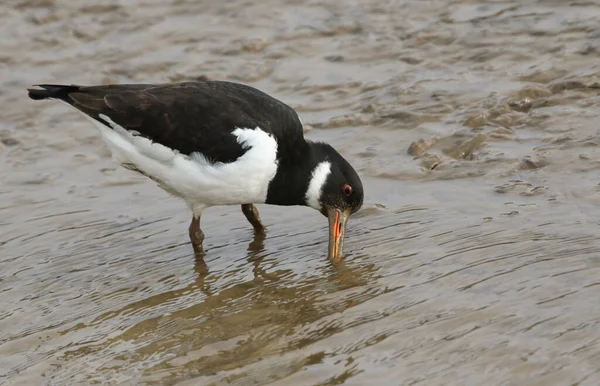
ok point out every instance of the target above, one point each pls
(475, 259)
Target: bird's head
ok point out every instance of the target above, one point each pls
(335, 190)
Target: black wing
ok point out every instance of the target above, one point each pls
(189, 117)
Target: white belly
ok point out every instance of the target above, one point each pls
(193, 178)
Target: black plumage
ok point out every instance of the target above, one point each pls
(201, 117)
(188, 117)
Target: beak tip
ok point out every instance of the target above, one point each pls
(337, 230)
(337, 260)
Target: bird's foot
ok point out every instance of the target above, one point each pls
(198, 250)
(253, 217)
(196, 237)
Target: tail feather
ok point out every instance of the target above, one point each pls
(53, 91)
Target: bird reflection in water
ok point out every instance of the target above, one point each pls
(272, 311)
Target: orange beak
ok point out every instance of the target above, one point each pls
(337, 230)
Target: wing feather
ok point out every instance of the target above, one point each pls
(189, 117)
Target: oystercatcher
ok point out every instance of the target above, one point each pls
(219, 143)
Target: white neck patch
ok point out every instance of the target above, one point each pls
(317, 180)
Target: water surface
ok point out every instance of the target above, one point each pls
(475, 259)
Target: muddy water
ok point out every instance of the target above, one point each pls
(476, 257)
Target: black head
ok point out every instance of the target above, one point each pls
(336, 191)
(321, 178)
(334, 182)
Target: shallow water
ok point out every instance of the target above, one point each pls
(475, 259)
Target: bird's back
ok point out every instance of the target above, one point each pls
(188, 117)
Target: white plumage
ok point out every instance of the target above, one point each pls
(199, 183)
(317, 180)
(130, 118)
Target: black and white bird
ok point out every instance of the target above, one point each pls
(219, 143)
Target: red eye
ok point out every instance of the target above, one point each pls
(347, 189)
